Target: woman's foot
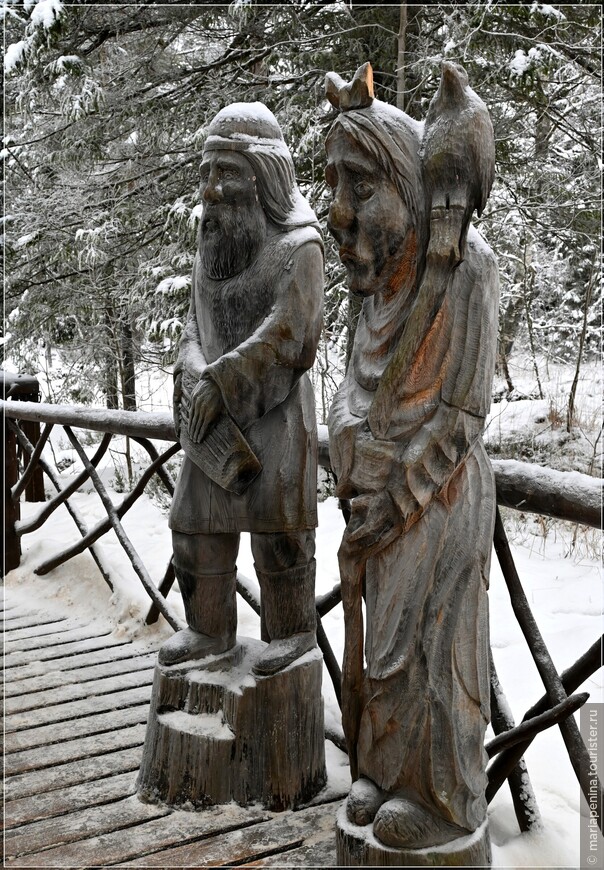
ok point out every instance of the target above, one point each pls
(403, 824)
(364, 800)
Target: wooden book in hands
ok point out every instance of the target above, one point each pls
(224, 455)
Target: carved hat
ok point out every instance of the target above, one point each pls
(251, 128)
(245, 127)
(391, 136)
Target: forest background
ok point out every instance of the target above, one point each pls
(107, 109)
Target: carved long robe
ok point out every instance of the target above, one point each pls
(276, 306)
(425, 703)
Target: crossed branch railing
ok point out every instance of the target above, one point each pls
(528, 488)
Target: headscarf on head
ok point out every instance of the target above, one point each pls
(253, 130)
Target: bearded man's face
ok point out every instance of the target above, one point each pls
(233, 223)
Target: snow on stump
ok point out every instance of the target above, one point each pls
(218, 732)
(359, 847)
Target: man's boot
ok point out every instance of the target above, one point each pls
(288, 609)
(211, 613)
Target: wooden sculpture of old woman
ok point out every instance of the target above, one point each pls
(406, 446)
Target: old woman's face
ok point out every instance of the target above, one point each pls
(367, 217)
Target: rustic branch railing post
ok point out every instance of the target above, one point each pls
(565, 495)
(523, 798)
(27, 389)
(571, 679)
(122, 537)
(12, 511)
(73, 511)
(577, 751)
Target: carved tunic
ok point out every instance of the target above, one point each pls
(423, 720)
(260, 371)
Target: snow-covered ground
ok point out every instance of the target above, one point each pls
(560, 571)
(564, 592)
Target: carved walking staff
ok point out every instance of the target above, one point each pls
(405, 443)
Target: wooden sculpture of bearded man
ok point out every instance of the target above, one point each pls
(243, 403)
(405, 443)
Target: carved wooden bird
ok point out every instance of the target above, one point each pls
(458, 150)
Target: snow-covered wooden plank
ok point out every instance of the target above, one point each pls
(7, 609)
(70, 730)
(79, 825)
(73, 773)
(23, 657)
(56, 678)
(123, 650)
(77, 691)
(55, 627)
(76, 709)
(148, 837)
(7, 603)
(68, 800)
(288, 830)
(73, 750)
(318, 851)
(26, 620)
(57, 639)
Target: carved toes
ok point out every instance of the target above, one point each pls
(364, 801)
(403, 824)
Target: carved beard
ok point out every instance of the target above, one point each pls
(231, 237)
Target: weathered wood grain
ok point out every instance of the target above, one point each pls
(73, 750)
(318, 851)
(25, 620)
(56, 639)
(134, 423)
(358, 847)
(286, 831)
(70, 782)
(47, 735)
(40, 630)
(405, 431)
(73, 692)
(77, 826)
(224, 733)
(72, 678)
(23, 657)
(72, 773)
(76, 709)
(71, 799)
(177, 827)
(104, 655)
(523, 486)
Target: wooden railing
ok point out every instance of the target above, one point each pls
(528, 488)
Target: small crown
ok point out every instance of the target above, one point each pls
(357, 94)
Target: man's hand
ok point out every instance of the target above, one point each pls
(205, 406)
(374, 523)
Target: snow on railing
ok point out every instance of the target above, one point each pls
(521, 486)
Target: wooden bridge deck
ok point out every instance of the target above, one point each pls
(76, 703)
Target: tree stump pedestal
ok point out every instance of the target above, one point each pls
(217, 732)
(358, 847)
